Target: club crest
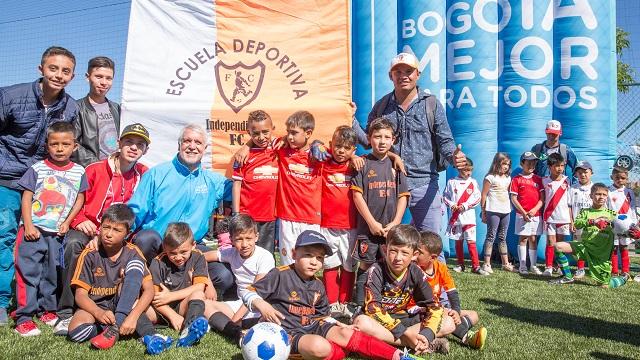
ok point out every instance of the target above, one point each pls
(239, 84)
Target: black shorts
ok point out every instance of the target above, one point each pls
(267, 235)
(175, 306)
(407, 319)
(368, 248)
(316, 328)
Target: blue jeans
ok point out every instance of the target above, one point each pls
(9, 218)
(426, 207)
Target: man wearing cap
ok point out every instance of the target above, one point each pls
(423, 137)
(110, 181)
(180, 190)
(553, 145)
(98, 121)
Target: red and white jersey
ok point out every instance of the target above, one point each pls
(622, 201)
(462, 192)
(580, 197)
(338, 209)
(557, 200)
(299, 187)
(527, 189)
(259, 176)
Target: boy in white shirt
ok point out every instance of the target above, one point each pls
(461, 196)
(581, 199)
(249, 263)
(623, 201)
(557, 216)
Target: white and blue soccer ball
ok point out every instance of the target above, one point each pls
(265, 341)
(621, 225)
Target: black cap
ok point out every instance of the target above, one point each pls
(528, 155)
(310, 237)
(136, 129)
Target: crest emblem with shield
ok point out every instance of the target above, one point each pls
(239, 84)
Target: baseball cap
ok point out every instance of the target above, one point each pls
(404, 58)
(136, 129)
(310, 237)
(554, 127)
(583, 164)
(528, 155)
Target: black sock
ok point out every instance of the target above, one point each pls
(462, 329)
(361, 279)
(222, 324)
(83, 332)
(195, 309)
(144, 326)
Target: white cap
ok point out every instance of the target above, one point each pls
(404, 58)
(554, 127)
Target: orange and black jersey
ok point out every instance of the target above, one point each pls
(302, 302)
(387, 298)
(101, 277)
(174, 278)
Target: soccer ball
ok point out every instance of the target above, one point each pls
(621, 225)
(265, 341)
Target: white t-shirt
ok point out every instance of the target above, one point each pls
(498, 195)
(107, 134)
(245, 270)
(561, 213)
(617, 197)
(580, 197)
(456, 187)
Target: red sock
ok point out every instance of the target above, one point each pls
(460, 252)
(337, 353)
(614, 260)
(548, 255)
(624, 254)
(581, 264)
(331, 284)
(346, 286)
(370, 347)
(473, 252)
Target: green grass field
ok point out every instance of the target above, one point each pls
(526, 319)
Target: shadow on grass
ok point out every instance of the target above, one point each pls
(605, 356)
(587, 327)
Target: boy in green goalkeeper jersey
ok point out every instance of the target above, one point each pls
(596, 246)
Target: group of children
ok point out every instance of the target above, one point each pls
(331, 217)
(551, 206)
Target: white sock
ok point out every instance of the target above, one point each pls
(533, 256)
(522, 254)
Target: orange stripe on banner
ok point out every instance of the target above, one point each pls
(281, 57)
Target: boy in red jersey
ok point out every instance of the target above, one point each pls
(299, 185)
(527, 196)
(255, 181)
(339, 221)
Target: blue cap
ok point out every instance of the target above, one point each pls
(310, 237)
(528, 155)
(583, 164)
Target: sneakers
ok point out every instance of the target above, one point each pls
(28, 328)
(439, 345)
(107, 338)
(336, 310)
(49, 318)
(548, 272)
(477, 338)
(637, 278)
(523, 270)
(487, 268)
(458, 268)
(579, 274)
(4, 318)
(406, 356)
(156, 343)
(194, 332)
(561, 280)
(346, 312)
(61, 328)
(508, 267)
(534, 269)
(480, 271)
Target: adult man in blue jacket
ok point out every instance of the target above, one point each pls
(181, 191)
(26, 110)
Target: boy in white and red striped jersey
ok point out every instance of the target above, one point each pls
(461, 195)
(623, 201)
(557, 216)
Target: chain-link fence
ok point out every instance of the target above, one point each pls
(628, 146)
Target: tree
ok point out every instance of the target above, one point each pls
(625, 72)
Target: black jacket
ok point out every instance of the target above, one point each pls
(87, 131)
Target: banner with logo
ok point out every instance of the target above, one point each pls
(213, 62)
